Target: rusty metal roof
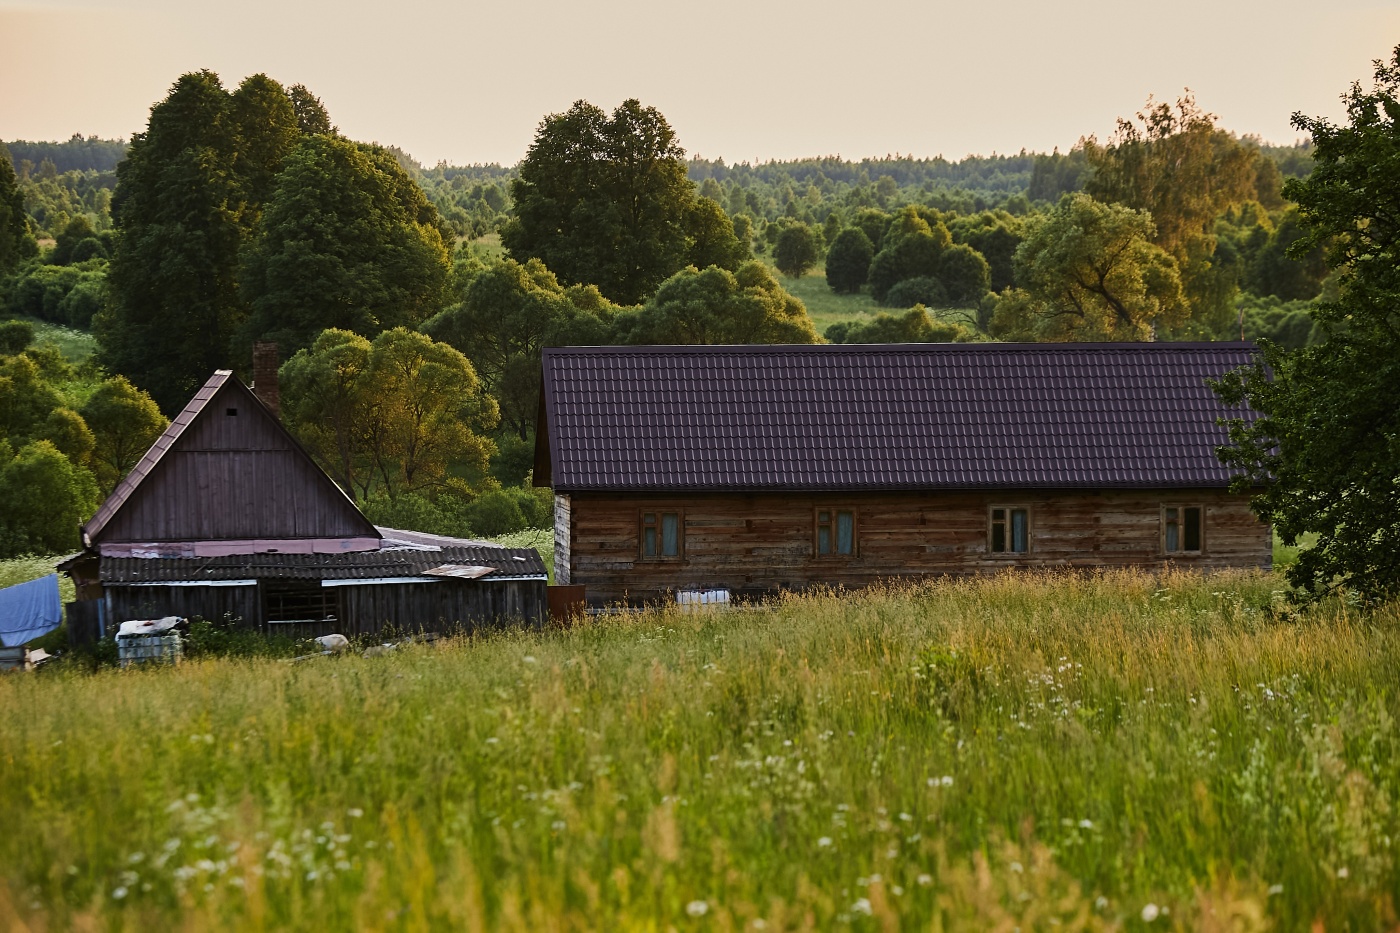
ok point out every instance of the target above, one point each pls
(358, 565)
(898, 416)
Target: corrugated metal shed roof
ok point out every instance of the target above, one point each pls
(359, 565)
(900, 416)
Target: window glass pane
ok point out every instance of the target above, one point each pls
(648, 542)
(845, 533)
(823, 539)
(999, 537)
(1019, 531)
(998, 515)
(1173, 536)
(823, 517)
(1171, 515)
(1193, 529)
(670, 535)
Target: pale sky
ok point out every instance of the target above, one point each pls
(469, 81)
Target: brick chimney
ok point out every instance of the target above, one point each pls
(265, 376)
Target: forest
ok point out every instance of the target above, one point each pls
(411, 303)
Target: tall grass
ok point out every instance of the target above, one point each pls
(1113, 751)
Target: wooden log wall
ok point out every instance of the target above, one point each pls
(561, 539)
(756, 543)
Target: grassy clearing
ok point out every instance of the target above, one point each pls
(75, 345)
(1098, 752)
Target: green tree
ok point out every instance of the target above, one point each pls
(401, 414)
(1089, 271)
(994, 234)
(965, 275)
(46, 497)
(713, 236)
(911, 247)
(311, 115)
(124, 422)
(1323, 455)
(796, 250)
(16, 244)
(1175, 164)
(184, 209)
(921, 290)
(15, 336)
(510, 313)
(26, 397)
(914, 326)
(848, 261)
(348, 241)
(716, 306)
(605, 201)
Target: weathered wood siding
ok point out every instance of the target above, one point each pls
(365, 610)
(235, 477)
(563, 538)
(761, 542)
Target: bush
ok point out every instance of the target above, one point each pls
(924, 290)
(848, 260)
(496, 513)
(15, 336)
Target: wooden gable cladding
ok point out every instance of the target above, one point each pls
(762, 542)
(231, 477)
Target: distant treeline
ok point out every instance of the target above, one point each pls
(77, 154)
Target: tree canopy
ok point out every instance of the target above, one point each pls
(604, 200)
(347, 241)
(717, 306)
(1326, 446)
(1089, 271)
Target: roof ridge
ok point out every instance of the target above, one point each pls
(843, 348)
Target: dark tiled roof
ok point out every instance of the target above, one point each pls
(902, 416)
(360, 565)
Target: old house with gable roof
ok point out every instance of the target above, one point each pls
(751, 469)
(227, 516)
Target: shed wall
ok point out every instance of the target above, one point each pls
(757, 543)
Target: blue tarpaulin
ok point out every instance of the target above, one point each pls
(29, 610)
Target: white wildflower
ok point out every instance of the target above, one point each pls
(1342, 872)
(1017, 867)
(925, 880)
(1275, 889)
(354, 813)
(1086, 824)
(529, 659)
(823, 842)
(862, 906)
(119, 893)
(697, 908)
(1150, 912)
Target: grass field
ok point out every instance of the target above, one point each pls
(1099, 752)
(824, 305)
(75, 345)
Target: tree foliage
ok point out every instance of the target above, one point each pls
(914, 326)
(124, 422)
(1089, 271)
(796, 250)
(716, 306)
(348, 241)
(400, 414)
(510, 313)
(1325, 448)
(185, 205)
(16, 244)
(910, 248)
(604, 200)
(848, 260)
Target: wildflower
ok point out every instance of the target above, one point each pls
(1150, 912)
(1086, 824)
(925, 880)
(1017, 867)
(529, 659)
(119, 893)
(1342, 872)
(1275, 889)
(558, 826)
(355, 813)
(1100, 902)
(823, 842)
(862, 906)
(697, 908)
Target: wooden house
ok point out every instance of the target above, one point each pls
(760, 468)
(228, 516)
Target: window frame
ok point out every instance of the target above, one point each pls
(1009, 508)
(277, 594)
(817, 524)
(1162, 522)
(660, 514)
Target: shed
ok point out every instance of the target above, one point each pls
(227, 516)
(762, 468)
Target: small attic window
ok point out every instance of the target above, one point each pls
(231, 411)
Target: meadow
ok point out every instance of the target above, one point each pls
(1097, 752)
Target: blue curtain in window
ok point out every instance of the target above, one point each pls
(845, 533)
(1019, 531)
(670, 535)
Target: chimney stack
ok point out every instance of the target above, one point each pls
(265, 376)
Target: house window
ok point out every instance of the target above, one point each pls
(1183, 529)
(1010, 530)
(293, 601)
(836, 532)
(661, 535)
